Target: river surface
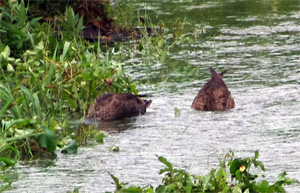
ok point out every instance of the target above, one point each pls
(258, 42)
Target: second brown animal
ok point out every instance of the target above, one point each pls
(214, 95)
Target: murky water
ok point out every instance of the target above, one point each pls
(258, 42)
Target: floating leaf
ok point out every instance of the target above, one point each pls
(114, 149)
(72, 148)
(100, 138)
(48, 140)
(177, 112)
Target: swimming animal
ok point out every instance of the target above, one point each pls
(214, 95)
(109, 107)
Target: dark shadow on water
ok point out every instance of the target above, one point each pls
(112, 127)
(43, 160)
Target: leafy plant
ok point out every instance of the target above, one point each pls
(15, 26)
(179, 180)
(72, 24)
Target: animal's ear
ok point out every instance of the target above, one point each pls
(223, 72)
(213, 72)
(147, 103)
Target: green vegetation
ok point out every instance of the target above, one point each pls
(50, 74)
(233, 175)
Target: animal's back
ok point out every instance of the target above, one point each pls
(214, 95)
(116, 106)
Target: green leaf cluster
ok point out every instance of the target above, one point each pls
(234, 179)
(15, 26)
(49, 73)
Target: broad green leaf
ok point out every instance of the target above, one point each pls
(72, 148)
(238, 175)
(48, 140)
(160, 189)
(234, 166)
(262, 187)
(237, 189)
(260, 164)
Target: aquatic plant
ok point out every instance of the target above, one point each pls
(15, 26)
(50, 79)
(233, 175)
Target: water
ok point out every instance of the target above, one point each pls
(258, 42)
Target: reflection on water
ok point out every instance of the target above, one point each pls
(111, 127)
(258, 42)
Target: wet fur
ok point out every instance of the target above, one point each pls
(117, 106)
(214, 95)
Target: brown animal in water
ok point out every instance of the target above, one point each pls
(214, 95)
(109, 107)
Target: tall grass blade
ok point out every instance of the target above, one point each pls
(5, 107)
(54, 54)
(98, 46)
(33, 100)
(6, 97)
(49, 75)
(65, 51)
(80, 25)
(37, 106)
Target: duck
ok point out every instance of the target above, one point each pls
(114, 106)
(214, 95)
